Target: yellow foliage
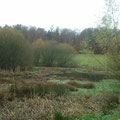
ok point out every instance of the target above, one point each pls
(38, 43)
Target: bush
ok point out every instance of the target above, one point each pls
(65, 54)
(36, 46)
(54, 54)
(113, 55)
(14, 50)
(48, 53)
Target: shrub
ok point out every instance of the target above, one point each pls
(54, 54)
(14, 50)
(113, 54)
(36, 46)
(48, 53)
(65, 53)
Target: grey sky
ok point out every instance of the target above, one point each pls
(44, 13)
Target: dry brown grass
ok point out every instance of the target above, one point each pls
(41, 108)
(104, 102)
(10, 74)
(44, 108)
(79, 85)
(30, 89)
(18, 73)
(27, 72)
(70, 87)
(88, 85)
(6, 80)
(48, 84)
(75, 84)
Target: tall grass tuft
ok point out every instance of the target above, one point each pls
(42, 88)
(89, 85)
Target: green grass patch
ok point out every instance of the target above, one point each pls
(105, 86)
(90, 60)
(59, 116)
(100, 116)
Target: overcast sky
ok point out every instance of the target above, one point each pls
(45, 13)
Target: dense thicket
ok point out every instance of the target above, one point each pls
(14, 50)
(52, 53)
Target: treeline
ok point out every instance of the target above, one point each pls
(81, 41)
(60, 35)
